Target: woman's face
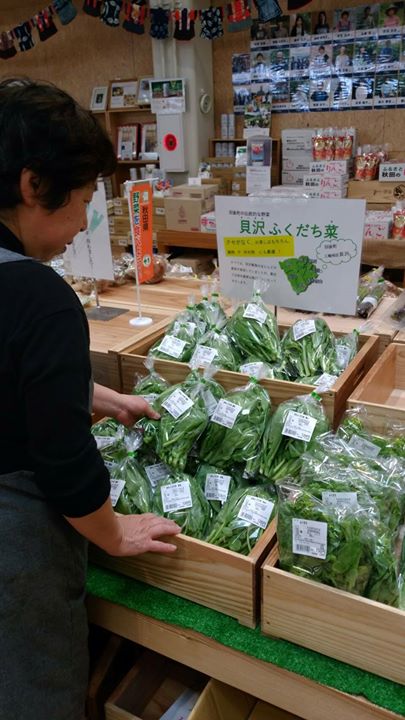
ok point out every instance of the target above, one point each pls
(299, 22)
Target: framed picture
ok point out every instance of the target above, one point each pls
(149, 142)
(123, 94)
(144, 96)
(168, 96)
(127, 142)
(98, 101)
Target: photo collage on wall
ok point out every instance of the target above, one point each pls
(350, 58)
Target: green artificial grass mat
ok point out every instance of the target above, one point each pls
(226, 630)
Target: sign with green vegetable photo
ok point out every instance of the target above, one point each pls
(306, 253)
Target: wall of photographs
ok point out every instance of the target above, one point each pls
(351, 58)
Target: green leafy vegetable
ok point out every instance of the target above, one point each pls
(136, 495)
(309, 354)
(213, 481)
(151, 385)
(253, 330)
(193, 519)
(178, 342)
(219, 342)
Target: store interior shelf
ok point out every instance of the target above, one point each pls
(138, 162)
(390, 253)
(168, 239)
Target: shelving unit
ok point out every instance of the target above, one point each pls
(238, 141)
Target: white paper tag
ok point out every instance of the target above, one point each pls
(255, 312)
(103, 442)
(176, 496)
(177, 403)
(191, 326)
(203, 355)
(303, 328)
(117, 487)
(150, 398)
(256, 511)
(226, 413)
(253, 369)
(310, 537)
(172, 346)
(343, 355)
(370, 299)
(365, 447)
(340, 499)
(110, 464)
(157, 472)
(217, 487)
(326, 381)
(299, 426)
(209, 401)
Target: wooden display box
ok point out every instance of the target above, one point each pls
(150, 688)
(376, 192)
(334, 400)
(206, 574)
(349, 628)
(222, 702)
(382, 391)
(400, 337)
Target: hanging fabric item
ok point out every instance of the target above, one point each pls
(45, 25)
(268, 10)
(23, 34)
(66, 10)
(135, 16)
(239, 15)
(184, 24)
(7, 48)
(211, 23)
(92, 7)
(110, 12)
(159, 23)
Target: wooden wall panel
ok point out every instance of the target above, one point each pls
(81, 55)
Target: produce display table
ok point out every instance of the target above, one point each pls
(300, 681)
(169, 239)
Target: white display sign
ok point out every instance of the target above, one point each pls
(90, 255)
(307, 254)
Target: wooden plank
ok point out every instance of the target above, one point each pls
(206, 574)
(167, 239)
(389, 253)
(222, 702)
(305, 698)
(347, 627)
(400, 337)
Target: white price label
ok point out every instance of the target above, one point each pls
(217, 487)
(150, 398)
(310, 537)
(340, 499)
(103, 442)
(253, 369)
(156, 472)
(117, 487)
(177, 403)
(203, 355)
(191, 327)
(371, 300)
(303, 328)
(365, 447)
(209, 401)
(226, 413)
(299, 426)
(176, 496)
(255, 312)
(109, 464)
(172, 346)
(343, 355)
(256, 511)
(326, 381)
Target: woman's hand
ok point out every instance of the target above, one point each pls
(140, 534)
(126, 409)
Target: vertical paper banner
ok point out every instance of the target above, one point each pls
(140, 212)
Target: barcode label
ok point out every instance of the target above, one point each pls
(255, 312)
(103, 442)
(156, 472)
(303, 328)
(299, 426)
(172, 346)
(256, 511)
(309, 537)
(217, 486)
(203, 356)
(365, 447)
(177, 403)
(176, 496)
(226, 413)
(117, 487)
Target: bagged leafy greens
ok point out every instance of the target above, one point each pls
(353, 430)
(236, 427)
(254, 332)
(258, 369)
(150, 386)
(217, 485)
(289, 432)
(215, 348)
(109, 436)
(130, 488)
(211, 312)
(180, 498)
(346, 349)
(309, 349)
(178, 342)
(243, 519)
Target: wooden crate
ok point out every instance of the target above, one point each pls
(150, 688)
(206, 574)
(361, 632)
(382, 391)
(400, 337)
(222, 702)
(334, 400)
(376, 192)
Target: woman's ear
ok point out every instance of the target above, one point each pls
(29, 187)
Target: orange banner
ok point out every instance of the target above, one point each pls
(140, 209)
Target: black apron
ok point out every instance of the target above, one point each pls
(43, 623)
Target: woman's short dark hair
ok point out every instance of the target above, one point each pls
(44, 130)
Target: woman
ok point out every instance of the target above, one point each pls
(298, 29)
(54, 487)
(322, 25)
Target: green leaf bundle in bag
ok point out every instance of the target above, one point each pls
(178, 342)
(353, 430)
(130, 487)
(150, 386)
(243, 519)
(215, 348)
(180, 498)
(109, 436)
(308, 349)
(346, 350)
(253, 330)
(217, 485)
(258, 369)
(236, 427)
(333, 545)
(290, 431)
(210, 312)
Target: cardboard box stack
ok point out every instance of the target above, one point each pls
(118, 223)
(186, 205)
(296, 149)
(328, 179)
(377, 224)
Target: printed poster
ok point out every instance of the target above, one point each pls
(140, 215)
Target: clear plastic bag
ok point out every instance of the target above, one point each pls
(254, 332)
(180, 498)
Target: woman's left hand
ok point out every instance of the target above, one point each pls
(131, 408)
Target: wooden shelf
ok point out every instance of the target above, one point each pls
(390, 253)
(138, 162)
(167, 239)
(145, 109)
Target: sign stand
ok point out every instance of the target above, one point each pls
(98, 312)
(141, 320)
(139, 202)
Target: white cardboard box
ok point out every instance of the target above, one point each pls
(299, 163)
(326, 182)
(292, 177)
(296, 140)
(331, 167)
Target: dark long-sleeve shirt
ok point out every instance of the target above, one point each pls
(45, 378)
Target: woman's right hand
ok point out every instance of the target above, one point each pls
(141, 533)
